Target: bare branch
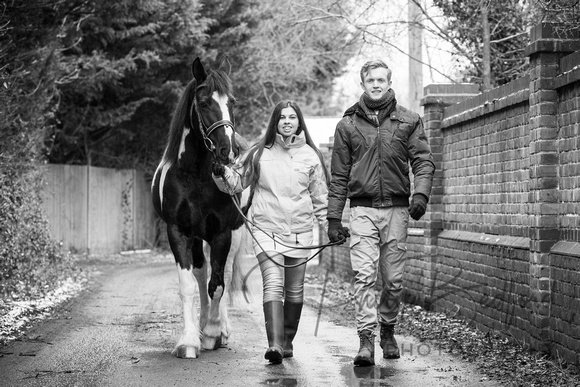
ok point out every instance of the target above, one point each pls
(509, 37)
(364, 29)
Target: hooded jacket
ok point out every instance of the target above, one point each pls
(370, 163)
(291, 191)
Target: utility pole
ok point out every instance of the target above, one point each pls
(486, 59)
(415, 56)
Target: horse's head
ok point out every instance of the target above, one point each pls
(212, 112)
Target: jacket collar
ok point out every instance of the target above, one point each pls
(293, 141)
(356, 109)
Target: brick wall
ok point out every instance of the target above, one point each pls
(500, 243)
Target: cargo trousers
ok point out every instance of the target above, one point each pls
(378, 245)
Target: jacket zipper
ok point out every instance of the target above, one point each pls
(380, 153)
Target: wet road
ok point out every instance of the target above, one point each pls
(121, 333)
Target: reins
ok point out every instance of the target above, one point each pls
(248, 222)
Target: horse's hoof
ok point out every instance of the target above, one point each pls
(212, 343)
(186, 352)
(224, 341)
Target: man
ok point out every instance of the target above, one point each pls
(374, 143)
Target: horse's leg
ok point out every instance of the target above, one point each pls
(201, 253)
(188, 345)
(225, 325)
(235, 245)
(220, 247)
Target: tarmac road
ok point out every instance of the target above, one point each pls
(122, 330)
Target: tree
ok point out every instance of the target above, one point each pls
(508, 23)
(457, 23)
(123, 66)
(27, 62)
(563, 13)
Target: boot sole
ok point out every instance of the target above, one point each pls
(364, 362)
(391, 356)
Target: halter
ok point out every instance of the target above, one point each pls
(206, 132)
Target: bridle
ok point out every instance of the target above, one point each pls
(207, 131)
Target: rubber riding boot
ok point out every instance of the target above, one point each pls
(274, 317)
(366, 353)
(292, 312)
(388, 342)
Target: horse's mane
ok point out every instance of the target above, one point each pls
(216, 80)
(178, 123)
(219, 81)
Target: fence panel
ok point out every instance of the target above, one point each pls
(110, 209)
(143, 213)
(98, 210)
(65, 204)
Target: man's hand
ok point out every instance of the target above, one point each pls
(418, 206)
(218, 169)
(336, 232)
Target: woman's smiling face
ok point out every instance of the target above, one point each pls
(288, 123)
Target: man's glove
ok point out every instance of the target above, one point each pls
(218, 169)
(336, 232)
(418, 206)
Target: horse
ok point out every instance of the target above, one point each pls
(198, 215)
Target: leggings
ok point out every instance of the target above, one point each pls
(279, 283)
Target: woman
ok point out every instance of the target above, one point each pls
(289, 182)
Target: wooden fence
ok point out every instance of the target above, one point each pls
(98, 210)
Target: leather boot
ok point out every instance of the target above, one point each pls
(292, 312)
(388, 342)
(274, 317)
(366, 353)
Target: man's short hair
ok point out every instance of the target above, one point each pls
(371, 65)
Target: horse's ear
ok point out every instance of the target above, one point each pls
(225, 64)
(198, 71)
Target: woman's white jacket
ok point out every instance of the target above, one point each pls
(291, 191)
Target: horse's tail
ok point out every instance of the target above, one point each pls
(242, 264)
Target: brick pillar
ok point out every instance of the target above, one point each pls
(545, 50)
(437, 98)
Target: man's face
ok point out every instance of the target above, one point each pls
(375, 83)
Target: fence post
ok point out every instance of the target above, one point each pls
(545, 50)
(437, 98)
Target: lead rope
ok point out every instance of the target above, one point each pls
(247, 221)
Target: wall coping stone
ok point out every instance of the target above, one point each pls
(448, 94)
(486, 239)
(571, 249)
(488, 107)
(546, 37)
(570, 68)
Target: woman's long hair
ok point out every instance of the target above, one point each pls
(252, 161)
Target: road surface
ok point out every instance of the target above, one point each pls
(120, 332)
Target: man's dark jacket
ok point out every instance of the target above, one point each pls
(370, 164)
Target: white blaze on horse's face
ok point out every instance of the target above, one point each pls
(222, 101)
